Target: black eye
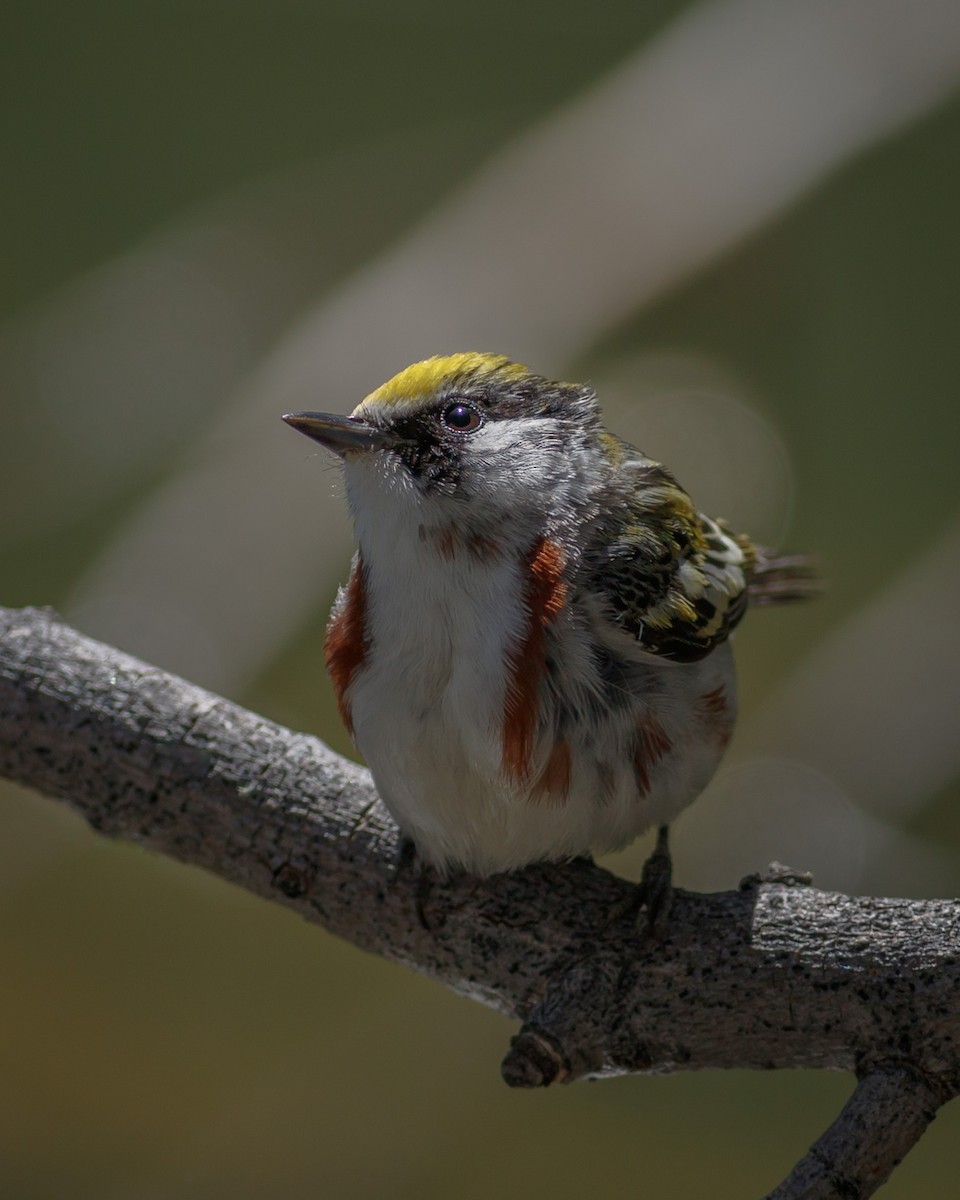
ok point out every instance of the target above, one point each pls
(464, 418)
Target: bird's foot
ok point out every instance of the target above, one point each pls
(408, 865)
(650, 901)
(655, 890)
(405, 864)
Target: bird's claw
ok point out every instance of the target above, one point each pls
(651, 900)
(407, 863)
(655, 890)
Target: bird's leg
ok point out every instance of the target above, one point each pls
(405, 856)
(649, 901)
(655, 889)
(408, 863)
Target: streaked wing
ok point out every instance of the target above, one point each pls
(671, 577)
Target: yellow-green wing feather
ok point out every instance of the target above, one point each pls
(672, 578)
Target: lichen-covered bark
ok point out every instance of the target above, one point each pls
(770, 975)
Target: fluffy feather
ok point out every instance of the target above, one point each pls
(534, 658)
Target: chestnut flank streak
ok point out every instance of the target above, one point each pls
(652, 744)
(713, 703)
(553, 785)
(346, 643)
(450, 543)
(544, 597)
(714, 711)
(447, 543)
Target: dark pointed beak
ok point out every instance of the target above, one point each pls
(342, 435)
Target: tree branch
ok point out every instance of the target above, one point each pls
(771, 975)
(886, 1115)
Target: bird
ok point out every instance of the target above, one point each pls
(532, 652)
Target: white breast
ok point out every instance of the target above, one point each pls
(428, 709)
(428, 705)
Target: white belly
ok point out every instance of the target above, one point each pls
(428, 711)
(428, 714)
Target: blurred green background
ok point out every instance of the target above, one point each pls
(739, 219)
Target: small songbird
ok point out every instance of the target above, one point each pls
(532, 651)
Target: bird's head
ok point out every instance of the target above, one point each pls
(472, 433)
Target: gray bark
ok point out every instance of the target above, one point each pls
(774, 974)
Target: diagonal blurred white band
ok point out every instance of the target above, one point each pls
(724, 120)
(876, 706)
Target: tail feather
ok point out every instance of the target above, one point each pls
(776, 579)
